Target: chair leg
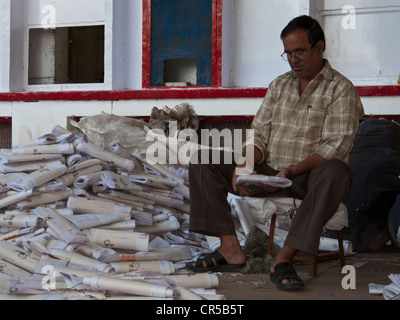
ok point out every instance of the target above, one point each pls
(341, 248)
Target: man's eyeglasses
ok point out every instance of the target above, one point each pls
(299, 54)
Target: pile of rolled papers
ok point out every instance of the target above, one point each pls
(80, 222)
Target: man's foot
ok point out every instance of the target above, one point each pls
(285, 277)
(213, 262)
(282, 272)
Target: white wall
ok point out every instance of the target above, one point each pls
(363, 43)
(256, 45)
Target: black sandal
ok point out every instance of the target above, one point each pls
(215, 262)
(285, 271)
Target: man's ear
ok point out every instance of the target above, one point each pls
(320, 46)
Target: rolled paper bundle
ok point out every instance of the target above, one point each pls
(171, 224)
(19, 221)
(19, 159)
(66, 148)
(39, 177)
(10, 272)
(84, 164)
(155, 181)
(87, 221)
(58, 244)
(87, 180)
(198, 280)
(148, 181)
(128, 286)
(17, 256)
(160, 267)
(142, 218)
(83, 205)
(69, 178)
(122, 225)
(104, 155)
(42, 199)
(119, 182)
(144, 256)
(183, 173)
(99, 186)
(64, 135)
(118, 239)
(15, 198)
(73, 159)
(157, 167)
(392, 291)
(117, 148)
(64, 229)
(98, 252)
(183, 190)
(128, 196)
(79, 259)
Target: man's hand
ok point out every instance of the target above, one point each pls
(242, 168)
(285, 173)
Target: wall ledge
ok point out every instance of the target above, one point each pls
(169, 93)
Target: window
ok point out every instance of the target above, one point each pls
(66, 55)
(181, 43)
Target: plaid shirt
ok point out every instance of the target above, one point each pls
(289, 128)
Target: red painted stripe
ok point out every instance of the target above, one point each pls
(146, 44)
(173, 93)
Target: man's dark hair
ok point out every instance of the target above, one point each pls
(310, 25)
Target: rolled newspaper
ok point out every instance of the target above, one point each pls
(128, 286)
(199, 280)
(39, 177)
(17, 256)
(69, 178)
(83, 205)
(87, 180)
(79, 259)
(171, 224)
(19, 221)
(12, 199)
(118, 239)
(104, 155)
(92, 220)
(160, 267)
(25, 166)
(19, 159)
(10, 272)
(66, 148)
(64, 229)
(42, 199)
(98, 252)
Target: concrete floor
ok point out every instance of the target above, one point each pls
(370, 268)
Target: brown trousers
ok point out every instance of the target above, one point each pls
(321, 192)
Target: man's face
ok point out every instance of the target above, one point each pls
(304, 59)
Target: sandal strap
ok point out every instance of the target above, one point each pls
(209, 260)
(285, 271)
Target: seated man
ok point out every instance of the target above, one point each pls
(304, 131)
